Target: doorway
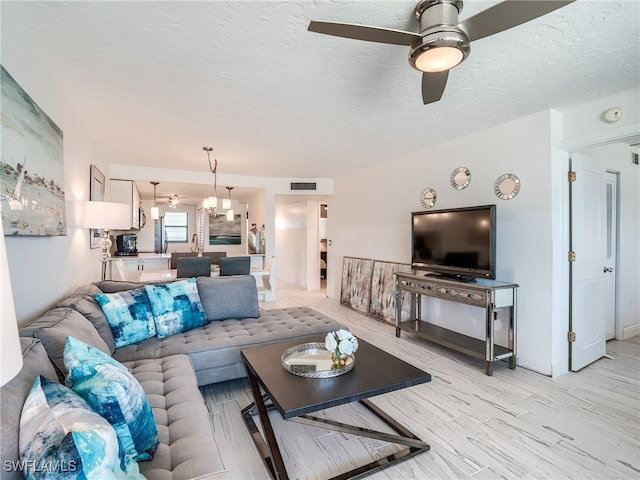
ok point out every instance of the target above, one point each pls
(323, 246)
(593, 206)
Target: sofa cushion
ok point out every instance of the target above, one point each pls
(113, 392)
(115, 286)
(176, 307)
(62, 435)
(215, 348)
(229, 297)
(187, 447)
(129, 315)
(82, 301)
(12, 396)
(55, 326)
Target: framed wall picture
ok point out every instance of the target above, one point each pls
(224, 232)
(96, 193)
(32, 200)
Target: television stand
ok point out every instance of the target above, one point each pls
(457, 278)
(490, 295)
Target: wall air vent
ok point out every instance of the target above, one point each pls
(634, 158)
(303, 186)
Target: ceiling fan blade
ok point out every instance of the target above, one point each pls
(364, 32)
(506, 15)
(433, 86)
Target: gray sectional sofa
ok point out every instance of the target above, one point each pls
(170, 370)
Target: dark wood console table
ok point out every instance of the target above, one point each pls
(488, 294)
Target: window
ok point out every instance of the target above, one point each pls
(176, 226)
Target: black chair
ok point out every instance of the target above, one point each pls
(193, 267)
(176, 255)
(235, 266)
(214, 256)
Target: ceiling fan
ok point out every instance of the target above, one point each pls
(442, 42)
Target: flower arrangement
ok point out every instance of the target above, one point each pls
(341, 344)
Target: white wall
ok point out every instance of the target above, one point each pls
(291, 243)
(370, 218)
(370, 215)
(44, 269)
(257, 209)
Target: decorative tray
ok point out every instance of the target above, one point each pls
(312, 360)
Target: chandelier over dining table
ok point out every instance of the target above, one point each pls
(210, 204)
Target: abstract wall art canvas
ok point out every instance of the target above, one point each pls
(223, 232)
(355, 290)
(383, 291)
(32, 200)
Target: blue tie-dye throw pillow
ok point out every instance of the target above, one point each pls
(113, 392)
(129, 315)
(176, 307)
(62, 437)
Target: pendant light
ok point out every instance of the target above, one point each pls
(155, 211)
(226, 204)
(210, 204)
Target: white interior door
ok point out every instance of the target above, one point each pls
(611, 241)
(589, 280)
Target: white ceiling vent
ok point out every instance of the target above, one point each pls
(303, 186)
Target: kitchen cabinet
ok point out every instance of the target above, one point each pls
(126, 191)
(144, 262)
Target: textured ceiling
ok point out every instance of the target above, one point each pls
(154, 82)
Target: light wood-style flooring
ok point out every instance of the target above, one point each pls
(516, 424)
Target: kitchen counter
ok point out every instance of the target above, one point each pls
(142, 255)
(134, 266)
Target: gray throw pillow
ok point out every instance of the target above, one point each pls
(82, 301)
(55, 326)
(226, 297)
(13, 394)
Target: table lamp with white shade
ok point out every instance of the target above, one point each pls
(11, 353)
(106, 216)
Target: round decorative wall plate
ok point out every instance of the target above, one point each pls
(507, 186)
(460, 178)
(428, 197)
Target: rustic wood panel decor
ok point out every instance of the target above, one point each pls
(382, 305)
(355, 290)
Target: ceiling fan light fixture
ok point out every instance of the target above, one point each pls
(438, 59)
(439, 51)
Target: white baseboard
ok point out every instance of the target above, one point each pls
(631, 331)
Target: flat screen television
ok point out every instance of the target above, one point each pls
(456, 242)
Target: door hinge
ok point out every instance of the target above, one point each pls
(571, 336)
(571, 176)
(572, 256)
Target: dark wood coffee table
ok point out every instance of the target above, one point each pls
(295, 397)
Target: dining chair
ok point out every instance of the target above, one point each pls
(176, 255)
(193, 267)
(268, 281)
(214, 256)
(235, 266)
